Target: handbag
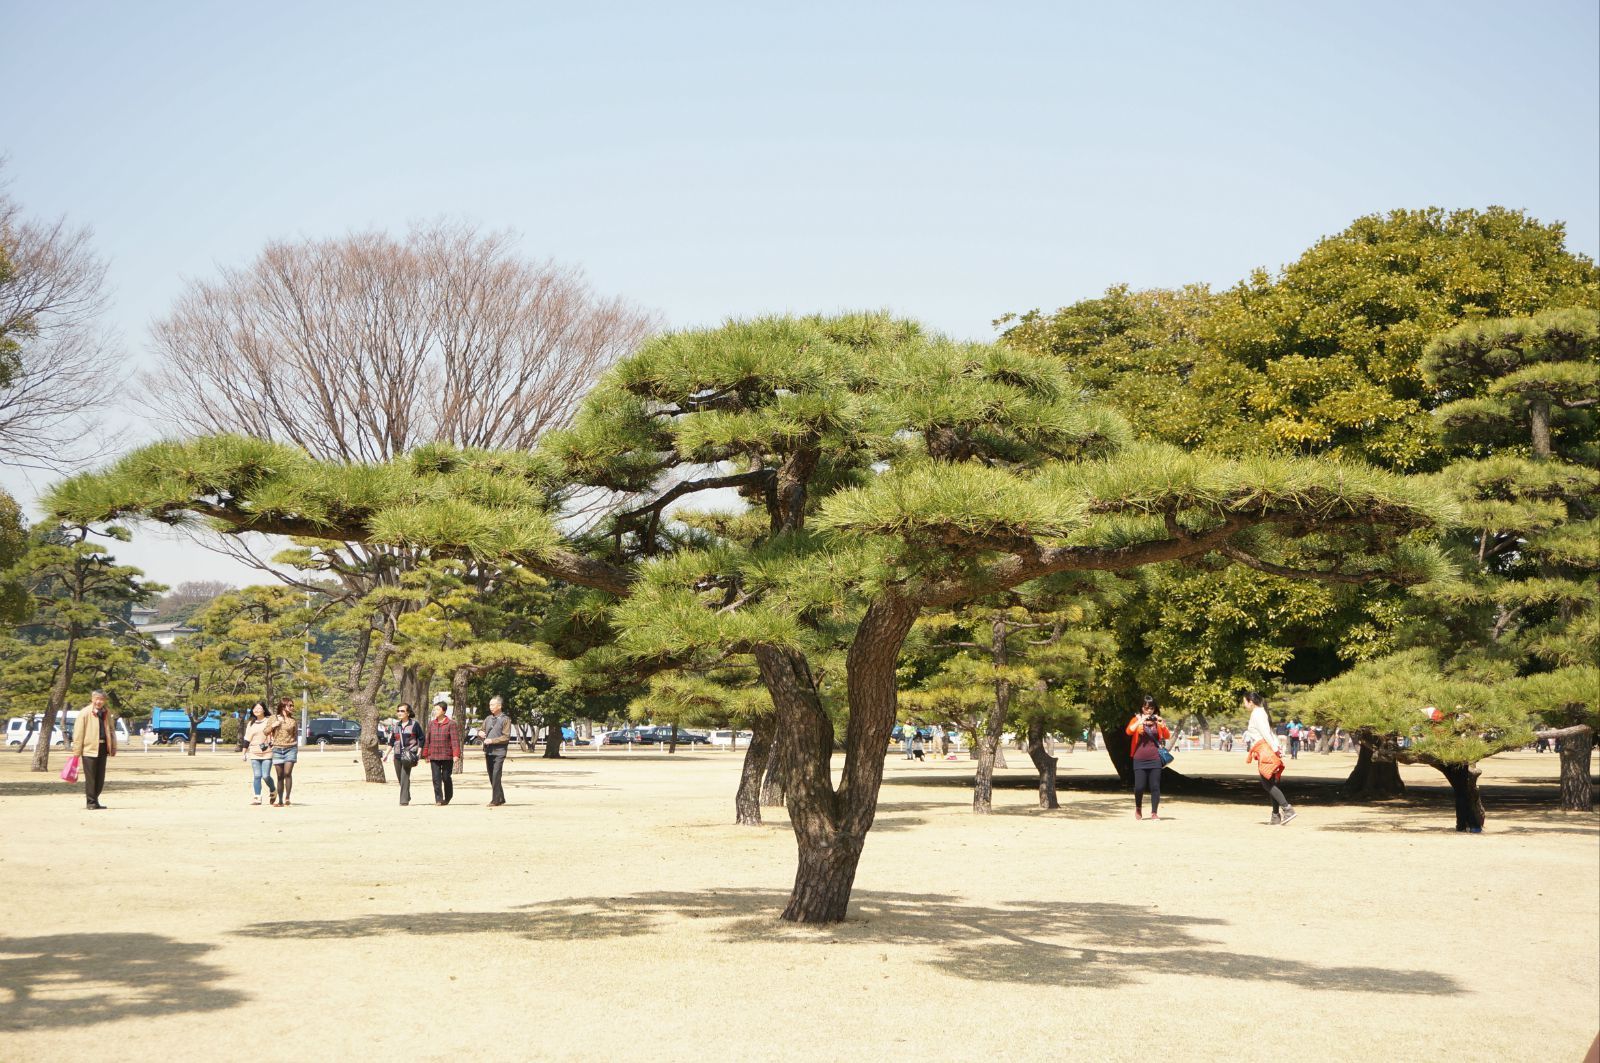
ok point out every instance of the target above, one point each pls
(1166, 756)
(69, 770)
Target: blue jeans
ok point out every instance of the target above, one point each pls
(260, 770)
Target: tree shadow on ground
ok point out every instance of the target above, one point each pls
(76, 980)
(46, 785)
(1054, 943)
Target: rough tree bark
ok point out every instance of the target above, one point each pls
(552, 738)
(831, 824)
(459, 678)
(747, 799)
(672, 740)
(773, 793)
(56, 703)
(1044, 762)
(366, 706)
(994, 725)
(1577, 746)
(1373, 778)
(1463, 779)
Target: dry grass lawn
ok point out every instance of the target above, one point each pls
(612, 911)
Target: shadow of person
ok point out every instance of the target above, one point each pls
(79, 979)
(1060, 943)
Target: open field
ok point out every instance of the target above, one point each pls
(612, 911)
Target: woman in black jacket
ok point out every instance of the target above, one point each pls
(405, 745)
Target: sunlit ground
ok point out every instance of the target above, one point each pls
(613, 911)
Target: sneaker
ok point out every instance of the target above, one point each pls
(255, 801)
(1276, 819)
(1289, 814)
(1154, 816)
(1138, 815)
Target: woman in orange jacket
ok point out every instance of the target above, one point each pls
(1262, 742)
(1148, 732)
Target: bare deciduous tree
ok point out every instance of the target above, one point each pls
(57, 362)
(363, 347)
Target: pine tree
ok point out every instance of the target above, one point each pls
(896, 472)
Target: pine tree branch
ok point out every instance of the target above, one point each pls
(1250, 561)
(1035, 561)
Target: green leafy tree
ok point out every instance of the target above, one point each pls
(1420, 714)
(78, 592)
(1519, 402)
(1325, 357)
(1012, 662)
(897, 473)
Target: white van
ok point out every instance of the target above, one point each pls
(731, 739)
(120, 726)
(20, 729)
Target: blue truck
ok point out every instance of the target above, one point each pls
(172, 725)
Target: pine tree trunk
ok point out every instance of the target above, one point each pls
(1463, 779)
(1373, 779)
(54, 706)
(366, 706)
(1539, 426)
(831, 824)
(459, 695)
(773, 793)
(993, 725)
(672, 742)
(825, 877)
(552, 738)
(1577, 746)
(1044, 762)
(747, 799)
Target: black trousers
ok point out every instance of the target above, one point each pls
(402, 774)
(443, 787)
(94, 777)
(1278, 800)
(496, 762)
(1147, 776)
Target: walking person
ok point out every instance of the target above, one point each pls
(405, 745)
(1148, 731)
(1262, 743)
(257, 743)
(284, 733)
(94, 741)
(906, 740)
(496, 743)
(441, 746)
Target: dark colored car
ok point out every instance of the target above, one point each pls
(662, 736)
(335, 731)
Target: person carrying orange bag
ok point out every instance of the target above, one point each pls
(1262, 743)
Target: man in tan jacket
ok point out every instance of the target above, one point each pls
(94, 738)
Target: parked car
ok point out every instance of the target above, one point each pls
(661, 736)
(332, 730)
(730, 738)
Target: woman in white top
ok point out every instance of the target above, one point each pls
(1262, 746)
(258, 750)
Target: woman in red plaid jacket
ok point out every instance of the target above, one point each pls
(441, 748)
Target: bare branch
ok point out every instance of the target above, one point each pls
(58, 364)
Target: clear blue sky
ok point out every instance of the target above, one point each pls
(948, 161)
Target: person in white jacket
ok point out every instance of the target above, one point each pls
(1262, 745)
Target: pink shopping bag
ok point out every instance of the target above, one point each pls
(69, 770)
